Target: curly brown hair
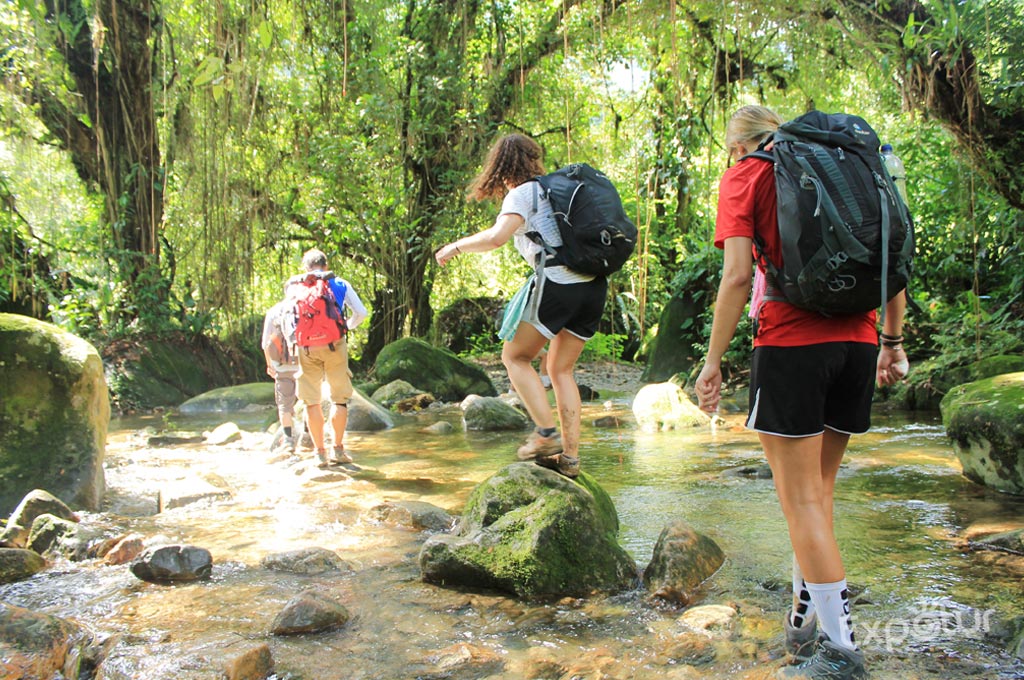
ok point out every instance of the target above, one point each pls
(513, 159)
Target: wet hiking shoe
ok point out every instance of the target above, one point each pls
(567, 466)
(306, 441)
(340, 456)
(801, 642)
(830, 662)
(321, 455)
(536, 445)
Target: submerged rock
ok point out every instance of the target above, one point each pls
(985, 420)
(413, 514)
(309, 612)
(313, 560)
(530, 531)
(394, 392)
(53, 415)
(173, 563)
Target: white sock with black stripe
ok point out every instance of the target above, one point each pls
(832, 600)
(803, 607)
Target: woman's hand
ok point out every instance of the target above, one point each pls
(446, 254)
(709, 387)
(892, 366)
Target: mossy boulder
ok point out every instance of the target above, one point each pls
(930, 381)
(491, 414)
(38, 645)
(432, 369)
(163, 371)
(53, 416)
(530, 531)
(247, 397)
(985, 420)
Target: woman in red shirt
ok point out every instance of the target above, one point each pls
(812, 379)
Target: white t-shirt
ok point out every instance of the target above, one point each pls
(519, 201)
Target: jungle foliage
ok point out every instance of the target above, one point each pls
(163, 165)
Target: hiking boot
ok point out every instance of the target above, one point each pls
(564, 465)
(306, 441)
(536, 445)
(801, 642)
(321, 455)
(340, 456)
(830, 662)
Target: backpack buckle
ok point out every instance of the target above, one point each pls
(836, 261)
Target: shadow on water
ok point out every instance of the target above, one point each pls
(900, 503)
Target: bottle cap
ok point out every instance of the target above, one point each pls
(886, 148)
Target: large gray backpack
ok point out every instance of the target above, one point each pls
(847, 236)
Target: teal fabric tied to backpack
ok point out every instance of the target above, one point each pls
(515, 310)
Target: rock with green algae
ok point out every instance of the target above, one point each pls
(53, 416)
(432, 369)
(985, 420)
(38, 645)
(530, 531)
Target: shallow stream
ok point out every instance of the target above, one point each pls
(924, 607)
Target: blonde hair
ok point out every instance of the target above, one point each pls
(751, 124)
(513, 159)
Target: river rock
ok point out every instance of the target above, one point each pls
(394, 392)
(309, 612)
(36, 503)
(432, 369)
(463, 661)
(985, 420)
(415, 404)
(169, 563)
(124, 550)
(529, 531)
(309, 561)
(225, 433)
(53, 416)
(931, 380)
(255, 396)
(682, 560)
(254, 664)
(440, 427)
(49, 532)
(178, 493)
(37, 645)
(365, 415)
(665, 406)
(417, 515)
(17, 564)
(491, 414)
(714, 620)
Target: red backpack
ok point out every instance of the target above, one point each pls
(317, 321)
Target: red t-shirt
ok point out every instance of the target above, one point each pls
(746, 205)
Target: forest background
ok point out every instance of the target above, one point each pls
(164, 165)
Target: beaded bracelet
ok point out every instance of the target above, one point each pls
(892, 338)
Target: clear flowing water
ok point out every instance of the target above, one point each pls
(924, 607)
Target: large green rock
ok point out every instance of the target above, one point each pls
(985, 420)
(247, 397)
(930, 381)
(53, 416)
(530, 531)
(432, 369)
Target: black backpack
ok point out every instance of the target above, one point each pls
(597, 237)
(847, 237)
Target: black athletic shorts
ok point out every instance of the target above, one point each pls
(576, 307)
(799, 391)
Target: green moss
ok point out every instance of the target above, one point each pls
(985, 419)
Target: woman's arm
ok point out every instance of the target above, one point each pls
(892, 359)
(481, 242)
(733, 292)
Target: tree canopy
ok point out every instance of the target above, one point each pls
(163, 165)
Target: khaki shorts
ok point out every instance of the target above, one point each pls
(284, 392)
(317, 364)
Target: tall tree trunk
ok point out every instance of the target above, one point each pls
(112, 134)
